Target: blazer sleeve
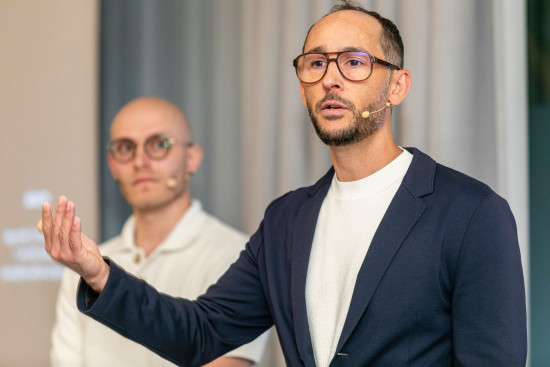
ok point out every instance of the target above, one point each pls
(231, 313)
(488, 301)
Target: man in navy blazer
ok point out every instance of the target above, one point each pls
(390, 259)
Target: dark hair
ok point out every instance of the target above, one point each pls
(390, 39)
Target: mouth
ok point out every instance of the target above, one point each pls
(332, 110)
(333, 106)
(142, 180)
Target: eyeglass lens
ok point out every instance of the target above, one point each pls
(124, 150)
(352, 64)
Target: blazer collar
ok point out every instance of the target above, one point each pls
(302, 240)
(403, 212)
(419, 178)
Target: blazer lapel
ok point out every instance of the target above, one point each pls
(403, 212)
(303, 233)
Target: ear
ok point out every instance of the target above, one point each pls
(302, 94)
(194, 158)
(399, 87)
(112, 166)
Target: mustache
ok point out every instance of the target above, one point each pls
(331, 96)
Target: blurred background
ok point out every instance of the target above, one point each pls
(479, 102)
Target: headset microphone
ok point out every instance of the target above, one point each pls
(366, 114)
(171, 183)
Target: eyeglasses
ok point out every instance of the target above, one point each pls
(156, 147)
(353, 65)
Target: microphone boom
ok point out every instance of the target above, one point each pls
(366, 114)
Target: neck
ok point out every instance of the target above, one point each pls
(362, 159)
(153, 226)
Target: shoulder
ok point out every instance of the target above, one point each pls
(436, 182)
(453, 201)
(453, 182)
(471, 205)
(215, 242)
(216, 229)
(288, 205)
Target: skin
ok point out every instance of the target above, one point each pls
(335, 32)
(339, 31)
(142, 181)
(157, 208)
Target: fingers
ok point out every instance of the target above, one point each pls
(46, 226)
(66, 225)
(75, 240)
(55, 236)
(57, 230)
(58, 218)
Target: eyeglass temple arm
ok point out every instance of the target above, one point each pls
(385, 63)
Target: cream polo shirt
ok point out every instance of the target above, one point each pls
(194, 255)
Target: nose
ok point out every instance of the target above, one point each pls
(141, 159)
(333, 78)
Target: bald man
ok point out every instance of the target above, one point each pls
(169, 241)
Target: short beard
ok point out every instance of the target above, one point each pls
(360, 128)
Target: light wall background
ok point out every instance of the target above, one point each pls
(48, 142)
(69, 66)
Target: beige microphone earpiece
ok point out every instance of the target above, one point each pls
(366, 114)
(171, 182)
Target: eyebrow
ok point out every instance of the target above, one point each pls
(322, 49)
(134, 140)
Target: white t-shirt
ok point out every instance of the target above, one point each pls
(195, 254)
(348, 219)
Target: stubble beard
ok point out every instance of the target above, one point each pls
(359, 129)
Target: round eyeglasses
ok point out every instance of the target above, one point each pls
(156, 147)
(353, 65)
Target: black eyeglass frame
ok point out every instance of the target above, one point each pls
(167, 142)
(373, 59)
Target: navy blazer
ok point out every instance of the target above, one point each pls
(441, 285)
